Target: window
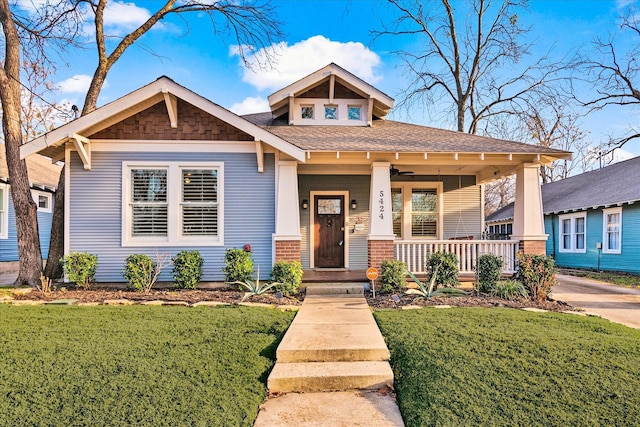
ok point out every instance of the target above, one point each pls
(307, 111)
(4, 214)
(43, 200)
(331, 112)
(354, 113)
(612, 232)
(172, 204)
(416, 210)
(573, 232)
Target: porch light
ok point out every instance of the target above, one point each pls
(305, 204)
(354, 205)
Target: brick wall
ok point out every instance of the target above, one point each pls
(287, 250)
(379, 250)
(533, 247)
(193, 124)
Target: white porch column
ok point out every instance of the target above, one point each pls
(528, 217)
(380, 238)
(287, 236)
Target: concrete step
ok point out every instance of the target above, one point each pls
(335, 289)
(332, 343)
(329, 376)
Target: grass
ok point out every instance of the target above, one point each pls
(504, 367)
(620, 279)
(117, 366)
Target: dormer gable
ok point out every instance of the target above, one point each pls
(330, 96)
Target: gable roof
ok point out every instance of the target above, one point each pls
(42, 173)
(382, 102)
(392, 136)
(612, 185)
(52, 143)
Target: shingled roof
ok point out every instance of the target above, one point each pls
(390, 136)
(42, 173)
(613, 185)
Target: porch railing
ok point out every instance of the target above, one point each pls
(415, 252)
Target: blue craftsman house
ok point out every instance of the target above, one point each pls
(592, 219)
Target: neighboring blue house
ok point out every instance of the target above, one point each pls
(322, 178)
(592, 219)
(43, 176)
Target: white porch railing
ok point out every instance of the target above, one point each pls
(415, 252)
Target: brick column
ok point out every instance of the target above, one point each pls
(379, 250)
(287, 250)
(533, 247)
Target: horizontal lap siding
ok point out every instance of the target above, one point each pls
(358, 188)
(96, 204)
(9, 246)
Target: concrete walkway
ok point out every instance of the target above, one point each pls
(615, 303)
(332, 366)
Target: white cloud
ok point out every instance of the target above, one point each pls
(250, 105)
(76, 84)
(123, 15)
(300, 59)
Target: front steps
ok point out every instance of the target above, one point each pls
(333, 344)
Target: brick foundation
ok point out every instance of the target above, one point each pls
(379, 250)
(533, 247)
(287, 250)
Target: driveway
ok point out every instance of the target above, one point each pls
(615, 303)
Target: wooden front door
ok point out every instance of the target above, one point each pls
(329, 231)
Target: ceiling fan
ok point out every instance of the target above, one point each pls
(393, 171)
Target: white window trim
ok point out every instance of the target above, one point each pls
(174, 191)
(605, 240)
(572, 217)
(4, 212)
(35, 194)
(407, 188)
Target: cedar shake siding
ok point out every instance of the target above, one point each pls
(153, 123)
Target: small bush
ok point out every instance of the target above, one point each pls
(238, 265)
(444, 265)
(393, 276)
(139, 271)
(488, 272)
(288, 274)
(80, 267)
(508, 289)
(538, 274)
(187, 269)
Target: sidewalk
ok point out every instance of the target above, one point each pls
(332, 368)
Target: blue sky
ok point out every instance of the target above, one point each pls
(319, 32)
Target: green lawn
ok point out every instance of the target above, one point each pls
(117, 366)
(504, 367)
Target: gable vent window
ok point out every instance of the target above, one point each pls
(307, 112)
(355, 113)
(331, 112)
(172, 204)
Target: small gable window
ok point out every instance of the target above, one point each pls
(355, 113)
(307, 112)
(331, 112)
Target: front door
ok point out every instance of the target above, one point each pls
(329, 231)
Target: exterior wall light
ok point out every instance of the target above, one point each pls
(354, 205)
(305, 204)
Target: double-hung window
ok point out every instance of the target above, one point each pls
(416, 210)
(172, 204)
(612, 231)
(4, 214)
(573, 232)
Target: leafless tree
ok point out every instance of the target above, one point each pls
(253, 25)
(469, 60)
(613, 74)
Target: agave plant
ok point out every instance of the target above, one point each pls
(427, 292)
(254, 287)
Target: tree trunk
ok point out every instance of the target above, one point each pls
(53, 269)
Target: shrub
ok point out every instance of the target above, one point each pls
(80, 267)
(187, 269)
(393, 276)
(488, 271)
(140, 272)
(428, 292)
(508, 289)
(538, 274)
(444, 267)
(288, 275)
(238, 265)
